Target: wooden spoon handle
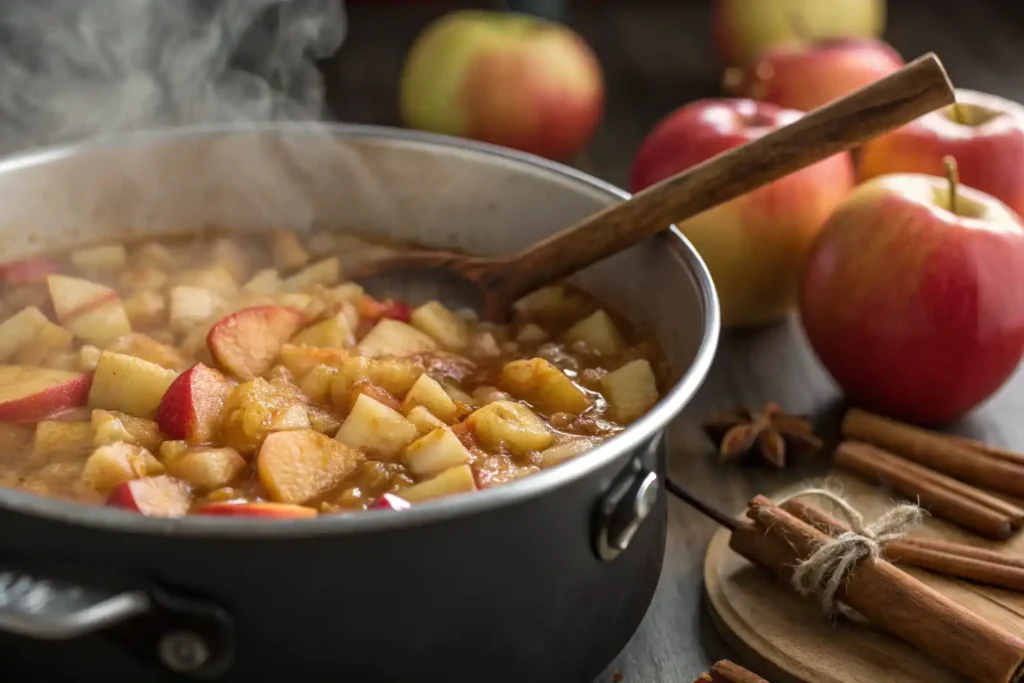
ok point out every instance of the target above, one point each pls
(916, 89)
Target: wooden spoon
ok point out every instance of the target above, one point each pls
(918, 88)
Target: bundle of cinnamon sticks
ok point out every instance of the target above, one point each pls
(724, 671)
(963, 481)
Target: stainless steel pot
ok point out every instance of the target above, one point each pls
(541, 580)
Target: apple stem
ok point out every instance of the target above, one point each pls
(953, 176)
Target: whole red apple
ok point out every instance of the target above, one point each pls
(744, 29)
(911, 297)
(754, 245)
(983, 132)
(806, 76)
(508, 79)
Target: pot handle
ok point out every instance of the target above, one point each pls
(626, 504)
(189, 637)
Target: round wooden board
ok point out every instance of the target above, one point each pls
(787, 639)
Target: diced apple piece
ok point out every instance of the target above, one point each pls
(316, 382)
(435, 452)
(191, 305)
(394, 338)
(246, 342)
(309, 305)
(190, 408)
(301, 359)
(110, 427)
(553, 302)
(532, 333)
(106, 259)
(543, 385)
(509, 425)
(58, 441)
(323, 420)
(155, 255)
(448, 483)
(292, 418)
(28, 271)
(129, 384)
(332, 333)
(145, 309)
(112, 465)
(148, 349)
(374, 428)
(19, 330)
(394, 375)
(391, 501)
(631, 390)
(32, 393)
(427, 392)
(92, 312)
(296, 467)
(250, 410)
(48, 346)
(88, 357)
(457, 394)
(288, 251)
(446, 328)
(264, 282)
(260, 509)
(205, 468)
(230, 255)
(424, 420)
(326, 272)
(216, 278)
(598, 333)
(570, 448)
(152, 496)
(142, 279)
(375, 392)
(347, 293)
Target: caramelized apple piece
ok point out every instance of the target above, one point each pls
(316, 382)
(509, 425)
(245, 343)
(50, 343)
(394, 375)
(32, 393)
(205, 468)
(427, 392)
(374, 428)
(435, 452)
(570, 448)
(543, 385)
(250, 409)
(332, 333)
(57, 441)
(326, 272)
(424, 420)
(129, 384)
(158, 496)
(149, 349)
(301, 359)
(598, 334)
(19, 330)
(631, 390)
(442, 325)
(190, 408)
(296, 467)
(189, 305)
(393, 338)
(450, 482)
(93, 312)
(112, 465)
(260, 509)
(111, 427)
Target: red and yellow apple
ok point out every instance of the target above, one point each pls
(754, 245)
(245, 343)
(983, 132)
(190, 408)
(508, 79)
(807, 76)
(158, 496)
(743, 29)
(911, 297)
(32, 393)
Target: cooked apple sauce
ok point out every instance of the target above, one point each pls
(245, 376)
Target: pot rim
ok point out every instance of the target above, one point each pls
(655, 421)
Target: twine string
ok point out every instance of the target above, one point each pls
(823, 572)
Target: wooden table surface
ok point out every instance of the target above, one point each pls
(657, 57)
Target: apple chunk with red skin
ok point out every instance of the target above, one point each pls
(27, 271)
(504, 78)
(93, 312)
(32, 393)
(806, 77)
(914, 308)
(983, 132)
(190, 408)
(158, 496)
(753, 245)
(245, 343)
(257, 510)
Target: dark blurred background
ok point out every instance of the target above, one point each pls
(657, 55)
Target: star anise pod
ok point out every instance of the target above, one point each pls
(771, 435)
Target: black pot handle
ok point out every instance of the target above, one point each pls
(187, 636)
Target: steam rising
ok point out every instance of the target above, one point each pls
(71, 69)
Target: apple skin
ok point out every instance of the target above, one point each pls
(257, 509)
(190, 408)
(989, 156)
(743, 29)
(806, 77)
(30, 393)
(914, 310)
(508, 79)
(754, 245)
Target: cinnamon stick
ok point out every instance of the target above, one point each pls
(888, 597)
(874, 464)
(725, 671)
(988, 449)
(952, 559)
(935, 451)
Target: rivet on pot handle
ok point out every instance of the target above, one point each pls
(623, 509)
(190, 637)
